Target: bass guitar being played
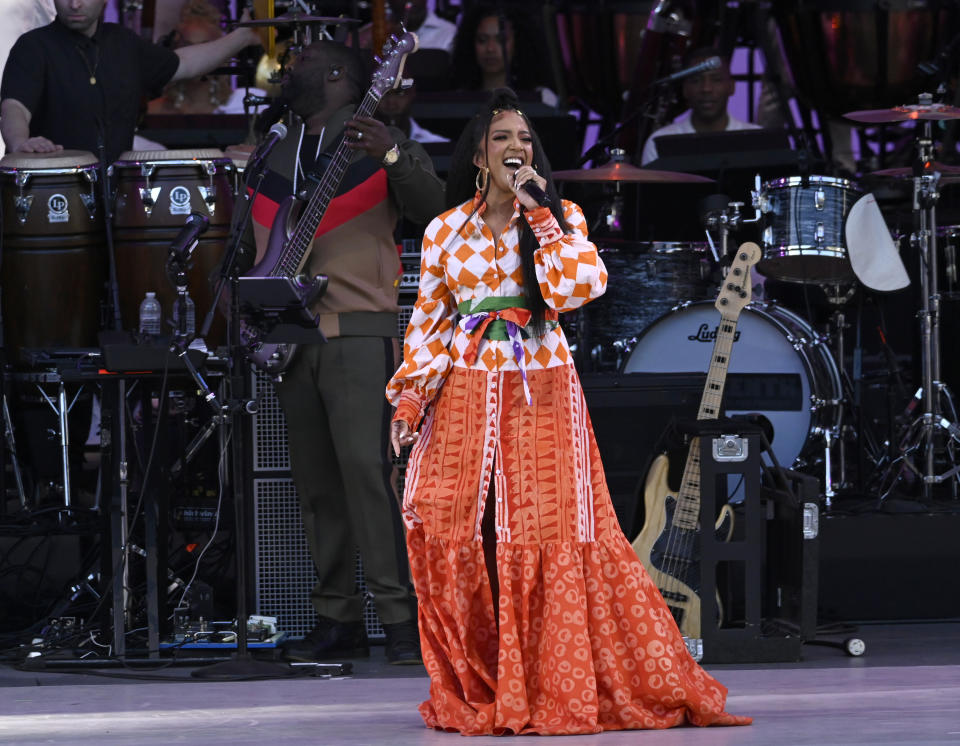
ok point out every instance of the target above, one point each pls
(355, 177)
(331, 196)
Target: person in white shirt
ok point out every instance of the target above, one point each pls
(21, 16)
(706, 94)
(432, 31)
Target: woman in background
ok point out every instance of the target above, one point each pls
(479, 61)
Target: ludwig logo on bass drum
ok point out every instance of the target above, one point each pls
(706, 334)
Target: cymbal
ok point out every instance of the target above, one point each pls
(295, 19)
(617, 171)
(907, 171)
(905, 113)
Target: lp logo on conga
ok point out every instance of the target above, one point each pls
(58, 209)
(179, 200)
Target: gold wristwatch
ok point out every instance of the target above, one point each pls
(391, 156)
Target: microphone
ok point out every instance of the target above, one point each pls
(537, 193)
(711, 63)
(252, 99)
(188, 237)
(277, 132)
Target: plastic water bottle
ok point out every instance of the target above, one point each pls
(150, 315)
(191, 315)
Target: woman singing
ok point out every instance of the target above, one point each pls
(535, 614)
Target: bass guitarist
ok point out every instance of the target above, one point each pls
(332, 393)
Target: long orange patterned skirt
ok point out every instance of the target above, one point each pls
(582, 641)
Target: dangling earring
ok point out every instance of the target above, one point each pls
(481, 179)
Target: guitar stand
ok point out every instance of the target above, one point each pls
(771, 558)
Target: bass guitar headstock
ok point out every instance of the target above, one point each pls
(389, 72)
(736, 290)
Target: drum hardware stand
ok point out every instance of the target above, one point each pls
(925, 196)
(178, 262)
(836, 435)
(729, 218)
(831, 435)
(241, 664)
(12, 450)
(104, 173)
(611, 212)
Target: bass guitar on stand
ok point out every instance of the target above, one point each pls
(295, 225)
(668, 544)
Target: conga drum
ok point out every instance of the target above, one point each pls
(155, 193)
(54, 256)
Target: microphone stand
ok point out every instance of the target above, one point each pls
(113, 302)
(227, 268)
(176, 269)
(241, 665)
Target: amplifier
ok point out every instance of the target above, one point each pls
(630, 413)
(410, 269)
(283, 571)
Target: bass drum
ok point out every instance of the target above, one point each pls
(780, 368)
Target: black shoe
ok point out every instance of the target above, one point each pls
(330, 639)
(403, 643)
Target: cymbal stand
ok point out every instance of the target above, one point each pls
(925, 196)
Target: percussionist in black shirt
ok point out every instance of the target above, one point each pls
(78, 82)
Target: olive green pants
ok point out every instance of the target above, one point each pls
(338, 421)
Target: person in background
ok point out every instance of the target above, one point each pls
(78, 82)
(332, 393)
(21, 16)
(433, 32)
(199, 22)
(394, 111)
(536, 615)
(482, 63)
(706, 94)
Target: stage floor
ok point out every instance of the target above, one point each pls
(904, 690)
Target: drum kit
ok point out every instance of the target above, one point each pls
(657, 314)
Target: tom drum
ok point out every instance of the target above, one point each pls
(803, 238)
